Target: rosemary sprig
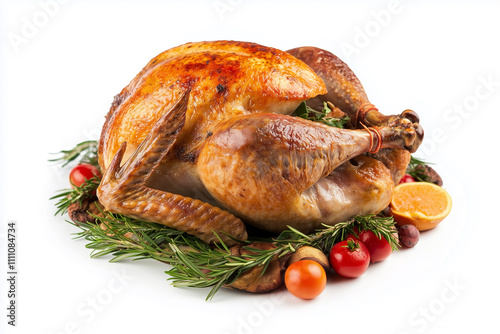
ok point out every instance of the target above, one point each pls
(86, 152)
(194, 262)
(197, 264)
(219, 267)
(416, 168)
(382, 227)
(125, 237)
(306, 112)
(66, 197)
(324, 239)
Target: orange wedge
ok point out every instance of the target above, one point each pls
(421, 204)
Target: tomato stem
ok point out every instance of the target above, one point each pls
(352, 245)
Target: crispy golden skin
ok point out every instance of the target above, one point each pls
(201, 140)
(225, 78)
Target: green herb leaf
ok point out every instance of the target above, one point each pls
(85, 152)
(66, 197)
(416, 169)
(382, 227)
(306, 112)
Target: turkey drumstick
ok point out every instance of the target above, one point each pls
(277, 170)
(346, 92)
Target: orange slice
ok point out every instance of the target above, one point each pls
(421, 204)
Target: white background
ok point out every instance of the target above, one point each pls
(62, 63)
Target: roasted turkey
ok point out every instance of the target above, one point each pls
(202, 140)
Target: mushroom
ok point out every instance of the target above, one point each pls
(309, 253)
(85, 211)
(255, 280)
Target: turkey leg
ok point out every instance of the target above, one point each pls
(268, 164)
(345, 90)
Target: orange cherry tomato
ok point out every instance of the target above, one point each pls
(305, 279)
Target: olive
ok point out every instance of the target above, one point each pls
(408, 235)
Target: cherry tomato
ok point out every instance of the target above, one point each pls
(81, 173)
(305, 279)
(379, 249)
(407, 178)
(350, 258)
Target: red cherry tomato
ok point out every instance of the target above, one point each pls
(379, 249)
(350, 258)
(81, 173)
(305, 279)
(407, 178)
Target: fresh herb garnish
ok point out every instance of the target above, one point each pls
(417, 169)
(66, 197)
(197, 264)
(306, 112)
(86, 152)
